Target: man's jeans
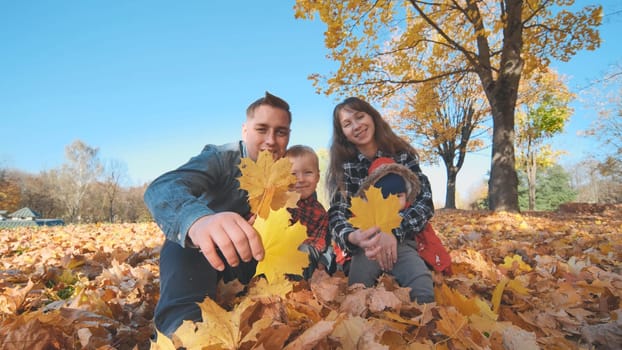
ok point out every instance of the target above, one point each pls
(409, 271)
(186, 278)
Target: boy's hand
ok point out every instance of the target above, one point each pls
(231, 234)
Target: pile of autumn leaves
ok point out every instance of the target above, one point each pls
(551, 281)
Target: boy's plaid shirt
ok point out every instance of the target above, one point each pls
(414, 217)
(314, 217)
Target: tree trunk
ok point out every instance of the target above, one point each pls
(110, 210)
(503, 183)
(450, 195)
(502, 94)
(531, 178)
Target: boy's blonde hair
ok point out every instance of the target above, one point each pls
(302, 150)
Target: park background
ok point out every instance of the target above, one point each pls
(139, 87)
(147, 84)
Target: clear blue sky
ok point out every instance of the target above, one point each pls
(150, 82)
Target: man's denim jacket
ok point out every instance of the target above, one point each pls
(206, 184)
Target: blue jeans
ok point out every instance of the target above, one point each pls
(186, 278)
(409, 271)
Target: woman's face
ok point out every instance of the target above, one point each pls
(358, 127)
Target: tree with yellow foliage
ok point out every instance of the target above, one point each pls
(380, 47)
(447, 119)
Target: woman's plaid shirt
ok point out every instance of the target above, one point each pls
(313, 216)
(414, 217)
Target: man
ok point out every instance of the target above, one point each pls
(204, 215)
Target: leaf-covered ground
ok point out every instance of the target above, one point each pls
(547, 280)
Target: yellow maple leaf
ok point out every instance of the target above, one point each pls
(376, 211)
(278, 286)
(467, 306)
(267, 182)
(517, 286)
(280, 242)
(219, 328)
(162, 343)
(509, 261)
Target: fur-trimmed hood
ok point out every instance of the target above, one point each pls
(413, 186)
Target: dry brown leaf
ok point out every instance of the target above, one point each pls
(348, 331)
(515, 338)
(12, 299)
(604, 336)
(380, 300)
(355, 302)
(273, 337)
(312, 336)
(451, 321)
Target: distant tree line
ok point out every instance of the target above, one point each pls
(589, 181)
(82, 190)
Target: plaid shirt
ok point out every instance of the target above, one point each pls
(313, 216)
(414, 217)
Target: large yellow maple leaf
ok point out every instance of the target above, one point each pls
(280, 242)
(376, 211)
(267, 182)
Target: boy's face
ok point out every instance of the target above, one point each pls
(307, 175)
(267, 129)
(402, 197)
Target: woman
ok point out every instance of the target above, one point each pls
(360, 135)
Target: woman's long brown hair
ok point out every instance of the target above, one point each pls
(342, 150)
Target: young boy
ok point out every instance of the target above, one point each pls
(309, 211)
(396, 179)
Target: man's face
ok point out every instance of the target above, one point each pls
(266, 130)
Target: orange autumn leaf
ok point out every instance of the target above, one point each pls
(280, 242)
(267, 182)
(376, 211)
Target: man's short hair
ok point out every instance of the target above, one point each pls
(269, 100)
